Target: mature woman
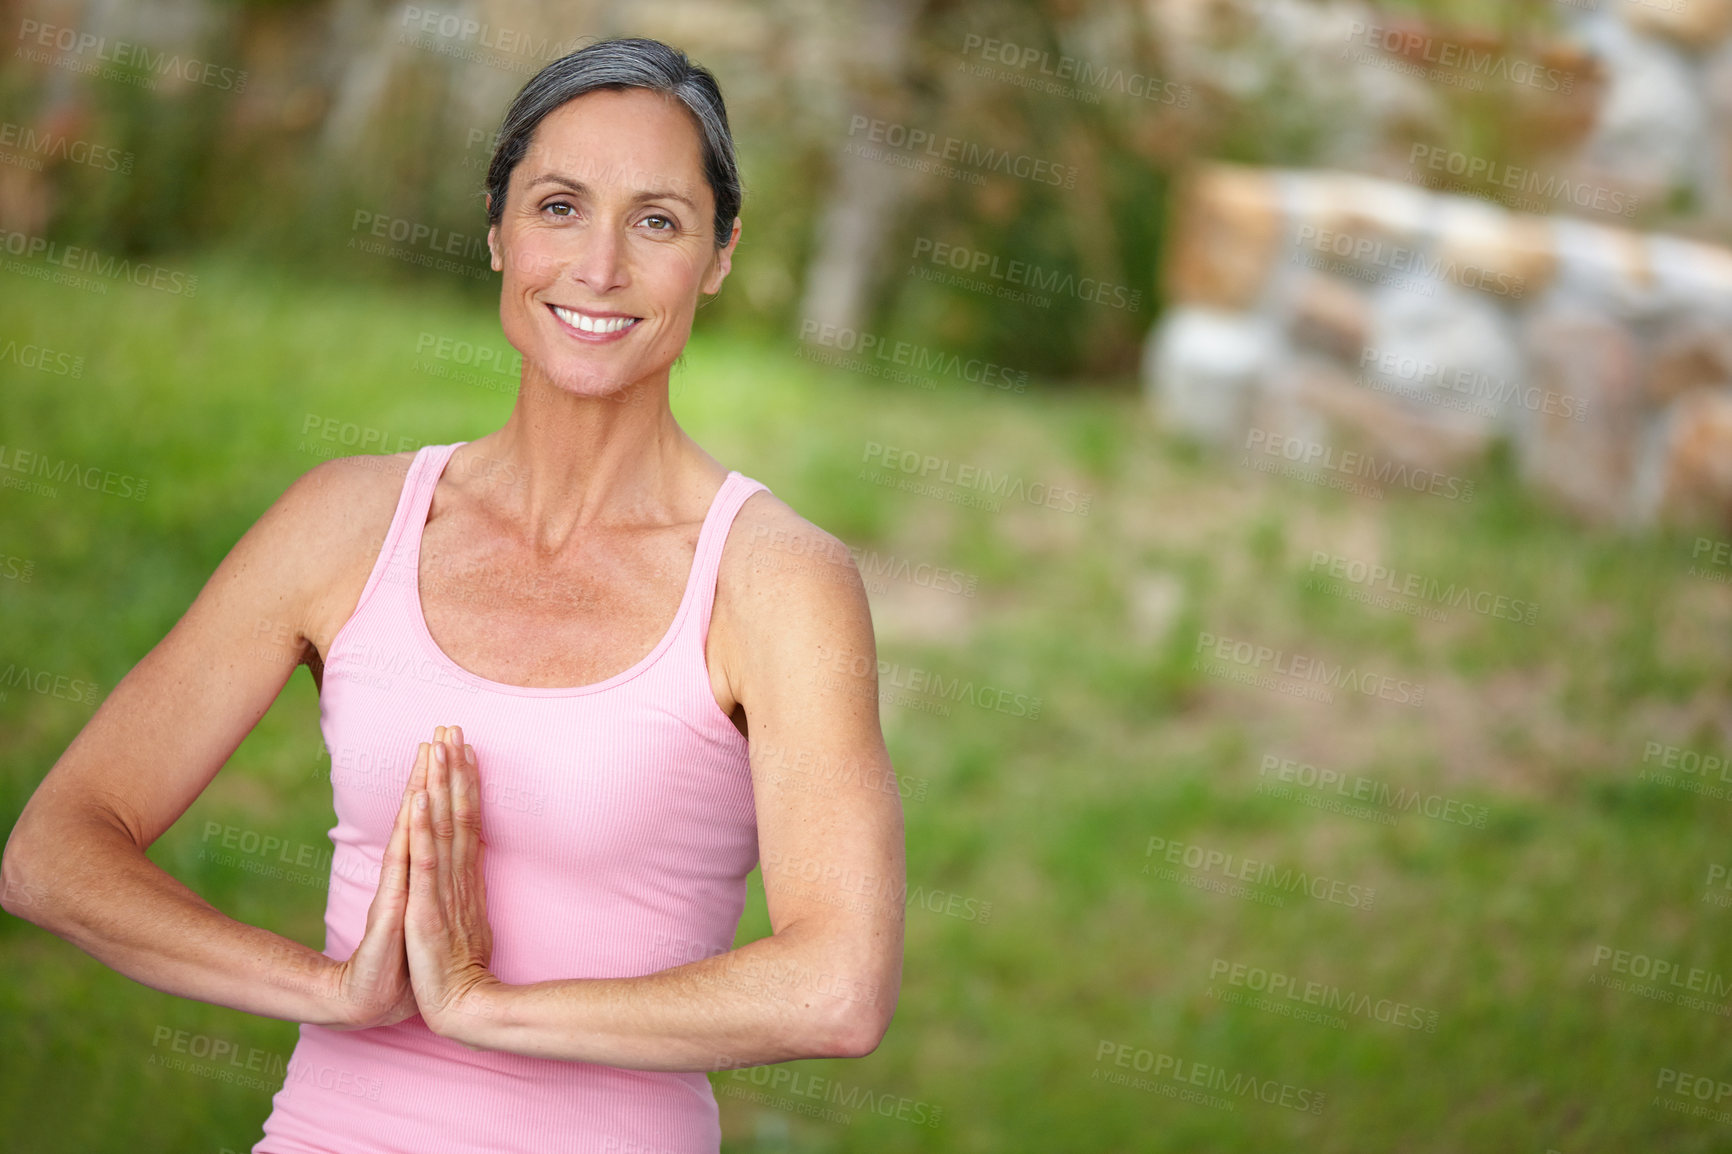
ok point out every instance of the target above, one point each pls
(539, 656)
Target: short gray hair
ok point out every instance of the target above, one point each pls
(626, 62)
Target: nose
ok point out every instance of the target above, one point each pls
(598, 258)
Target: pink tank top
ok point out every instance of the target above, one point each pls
(620, 829)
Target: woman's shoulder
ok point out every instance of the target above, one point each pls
(788, 598)
(332, 520)
(345, 494)
(774, 556)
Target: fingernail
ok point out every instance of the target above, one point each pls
(469, 752)
(439, 752)
(420, 799)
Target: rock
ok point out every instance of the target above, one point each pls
(1692, 353)
(1717, 163)
(1505, 255)
(1606, 270)
(1224, 237)
(1347, 222)
(1201, 368)
(1450, 357)
(1696, 467)
(1691, 278)
(1652, 125)
(1580, 413)
(1328, 314)
(1694, 24)
(1384, 424)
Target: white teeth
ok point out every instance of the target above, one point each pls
(588, 324)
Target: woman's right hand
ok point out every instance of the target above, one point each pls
(372, 986)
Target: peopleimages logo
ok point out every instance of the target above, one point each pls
(1374, 576)
(1379, 254)
(980, 263)
(1350, 463)
(1304, 669)
(42, 359)
(1667, 976)
(1359, 788)
(28, 463)
(57, 146)
(101, 51)
(1465, 58)
(934, 469)
(1086, 74)
(915, 357)
(1383, 368)
(955, 150)
(88, 260)
(1274, 984)
(1535, 189)
(1244, 869)
(1190, 1073)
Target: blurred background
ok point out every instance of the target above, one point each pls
(1316, 418)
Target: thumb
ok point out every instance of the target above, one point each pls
(392, 897)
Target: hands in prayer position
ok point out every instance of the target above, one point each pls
(427, 944)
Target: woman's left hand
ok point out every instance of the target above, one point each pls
(448, 940)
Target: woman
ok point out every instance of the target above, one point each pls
(539, 655)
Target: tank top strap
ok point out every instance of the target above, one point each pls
(711, 538)
(402, 545)
(402, 552)
(418, 488)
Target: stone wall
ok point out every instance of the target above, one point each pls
(1340, 308)
(1626, 101)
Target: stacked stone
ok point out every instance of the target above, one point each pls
(1631, 99)
(1335, 307)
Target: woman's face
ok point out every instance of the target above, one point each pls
(606, 242)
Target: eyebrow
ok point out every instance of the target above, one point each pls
(637, 198)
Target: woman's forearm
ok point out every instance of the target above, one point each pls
(779, 998)
(84, 879)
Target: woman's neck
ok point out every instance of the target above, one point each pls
(569, 460)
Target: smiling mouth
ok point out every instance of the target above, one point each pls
(601, 325)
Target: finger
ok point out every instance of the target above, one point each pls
(475, 774)
(394, 869)
(465, 816)
(423, 859)
(422, 923)
(418, 773)
(439, 809)
(439, 789)
(387, 903)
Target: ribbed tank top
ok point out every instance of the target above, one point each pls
(620, 830)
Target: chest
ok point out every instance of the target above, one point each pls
(594, 610)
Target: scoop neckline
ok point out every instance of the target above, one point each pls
(619, 678)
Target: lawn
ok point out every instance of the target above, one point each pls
(1185, 904)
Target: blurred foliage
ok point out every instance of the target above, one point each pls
(282, 173)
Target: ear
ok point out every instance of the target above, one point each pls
(724, 262)
(493, 238)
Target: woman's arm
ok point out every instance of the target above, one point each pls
(825, 982)
(75, 863)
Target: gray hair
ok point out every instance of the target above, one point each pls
(627, 62)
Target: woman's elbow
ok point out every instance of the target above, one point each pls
(23, 893)
(853, 1027)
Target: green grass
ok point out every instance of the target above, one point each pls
(1001, 1017)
